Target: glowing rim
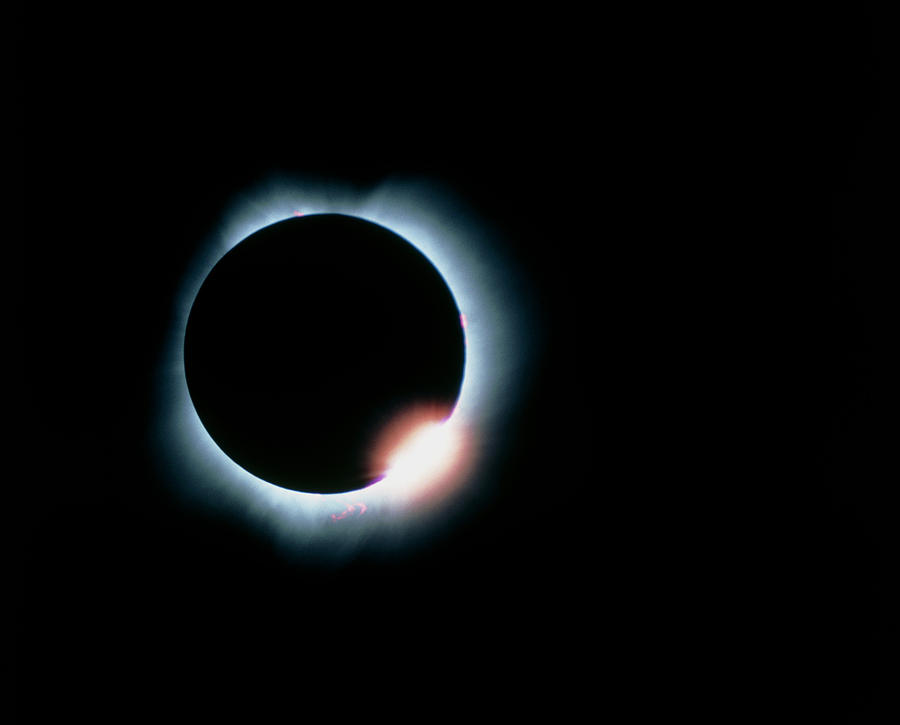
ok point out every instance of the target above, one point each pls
(486, 292)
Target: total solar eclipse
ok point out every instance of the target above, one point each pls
(309, 338)
(343, 365)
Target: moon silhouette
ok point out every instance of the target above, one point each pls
(308, 338)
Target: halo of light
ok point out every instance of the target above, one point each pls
(397, 510)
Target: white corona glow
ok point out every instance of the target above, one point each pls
(496, 315)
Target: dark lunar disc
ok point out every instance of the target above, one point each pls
(308, 338)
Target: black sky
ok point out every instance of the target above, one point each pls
(696, 510)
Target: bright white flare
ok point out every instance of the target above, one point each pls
(425, 454)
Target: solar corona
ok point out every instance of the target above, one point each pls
(440, 327)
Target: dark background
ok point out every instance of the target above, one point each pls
(696, 515)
